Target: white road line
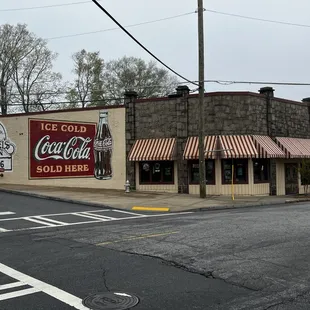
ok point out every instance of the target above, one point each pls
(131, 213)
(50, 220)
(95, 220)
(38, 222)
(40, 286)
(11, 285)
(54, 214)
(7, 213)
(24, 292)
(89, 216)
(99, 216)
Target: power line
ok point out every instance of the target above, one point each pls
(116, 28)
(258, 19)
(45, 6)
(223, 82)
(141, 45)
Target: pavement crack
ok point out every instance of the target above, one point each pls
(206, 274)
(287, 300)
(104, 277)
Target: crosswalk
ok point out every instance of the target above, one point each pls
(9, 224)
(21, 284)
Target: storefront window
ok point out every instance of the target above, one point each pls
(240, 171)
(160, 172)
(194, 172)
(261, 170)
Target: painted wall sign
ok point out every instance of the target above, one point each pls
(61, 149)
(7, 150)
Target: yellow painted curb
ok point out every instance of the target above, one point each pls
(158, 209)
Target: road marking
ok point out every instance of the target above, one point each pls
(126, 212)
(90, 217)
(50, 220)
(24, 292)
(138, 237)
(39, 286)
(99, 216)
(7, 213)
(39, 222)
(11, 285)
(53, 214)
(157, 209)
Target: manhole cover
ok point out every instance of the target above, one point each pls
(110, 301)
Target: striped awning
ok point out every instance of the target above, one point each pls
(294, 147)
(191, 150)
(238, 147)
(267, 148)
(153, 149)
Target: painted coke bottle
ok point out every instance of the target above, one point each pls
(103, 143)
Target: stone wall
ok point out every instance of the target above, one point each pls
(230, 114)
(156, 119)
(290, 119)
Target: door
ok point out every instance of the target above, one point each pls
(291, 179)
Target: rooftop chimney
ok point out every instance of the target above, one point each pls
(182, 90)
(267, 91)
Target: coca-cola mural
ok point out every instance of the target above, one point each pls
(61, 149)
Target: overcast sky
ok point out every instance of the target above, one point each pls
(235, 48)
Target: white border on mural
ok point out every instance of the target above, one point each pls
(7, 150)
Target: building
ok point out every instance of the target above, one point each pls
(254, 141)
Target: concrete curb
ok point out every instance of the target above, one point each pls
(252, 205)
(202, 209)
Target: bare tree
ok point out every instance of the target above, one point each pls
(130, 73)
(34, 79)
(87, 87)
(14, 45)
(26, 76)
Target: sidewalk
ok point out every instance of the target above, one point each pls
(146, 201)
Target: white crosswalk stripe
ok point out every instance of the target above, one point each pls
(11, 285)
(7, 213)
(34, 286)
(43, 221)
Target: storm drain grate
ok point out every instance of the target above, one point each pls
(110, 301)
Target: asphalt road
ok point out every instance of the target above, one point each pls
(254, 258)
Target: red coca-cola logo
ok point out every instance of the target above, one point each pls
(61, 149)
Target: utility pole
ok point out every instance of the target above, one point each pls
(202, 165)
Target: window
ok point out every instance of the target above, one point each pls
(161, 172)
(261, 170)
(240, 171)
(194, 172)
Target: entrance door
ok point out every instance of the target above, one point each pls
(291, 179)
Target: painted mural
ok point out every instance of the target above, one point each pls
(7, 150)
(62, 149)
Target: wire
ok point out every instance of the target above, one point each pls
(141, 45)
(116, 28)
(257, 83)
(207, 10)
(45, 6)
(258, 19)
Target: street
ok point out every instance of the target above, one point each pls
(55, 254)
